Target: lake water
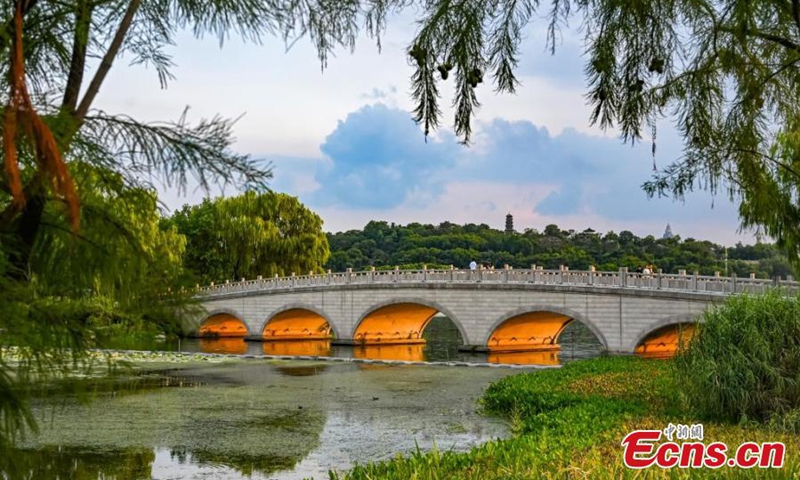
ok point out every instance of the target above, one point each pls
(229, 418)
(258, 419)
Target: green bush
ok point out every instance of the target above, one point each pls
(744, 363)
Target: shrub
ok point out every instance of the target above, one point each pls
(744, 362)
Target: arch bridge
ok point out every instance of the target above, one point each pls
(504, 310)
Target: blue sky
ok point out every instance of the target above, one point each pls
(344, 142)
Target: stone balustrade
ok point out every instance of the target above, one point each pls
(681, 282)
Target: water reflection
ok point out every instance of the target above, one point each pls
(546, 357)
(319, 348)
(410, 353)
(78, 464)
(233, 346)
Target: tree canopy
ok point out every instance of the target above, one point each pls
(250, 235)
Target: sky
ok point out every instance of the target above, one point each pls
(343, 140)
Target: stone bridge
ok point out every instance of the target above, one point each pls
(503, 310)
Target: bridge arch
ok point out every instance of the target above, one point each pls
(559, 310)
(439, 308)
(300, 307)
(223, 322)
(662, 324)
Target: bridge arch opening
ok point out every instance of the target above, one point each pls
(534, 335)
(400, 323)
(408, 330)
(538, 330)
(296, 324)
(222, 325)
(665, 341)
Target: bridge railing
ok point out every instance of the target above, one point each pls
(621, 279)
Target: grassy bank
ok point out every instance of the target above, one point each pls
(569, 422)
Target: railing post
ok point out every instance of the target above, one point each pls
(591, 274)
(480, 273)
(505, 273)
(371, 274)
(294, 281)
(396, 273)
(424, 273)
(349, 275)
(733, 282)
(328, 277)
(694, 280)
(623, 276)
(560, 274)
(451, 274)
(532, 276)
(659, 278)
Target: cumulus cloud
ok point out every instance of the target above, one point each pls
(376, 163)
(376, 157)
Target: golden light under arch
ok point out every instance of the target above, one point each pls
(529, 331)
(398, 323)
(296, 324)
(665, 341)
(223, 325)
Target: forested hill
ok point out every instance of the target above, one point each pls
(385, 245)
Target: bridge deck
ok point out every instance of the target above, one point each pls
(621, 279)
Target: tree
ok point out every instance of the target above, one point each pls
(251, 235)
(725, 71)
(99, 216)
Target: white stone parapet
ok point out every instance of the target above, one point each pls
(681, 282)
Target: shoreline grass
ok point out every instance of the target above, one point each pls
(569, 423)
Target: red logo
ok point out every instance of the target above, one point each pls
(641, 450)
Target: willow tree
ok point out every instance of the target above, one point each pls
(76, 205)
(725, 72)
(251, 235)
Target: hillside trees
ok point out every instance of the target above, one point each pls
(449, 244)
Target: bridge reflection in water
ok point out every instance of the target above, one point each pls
(318, 348)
